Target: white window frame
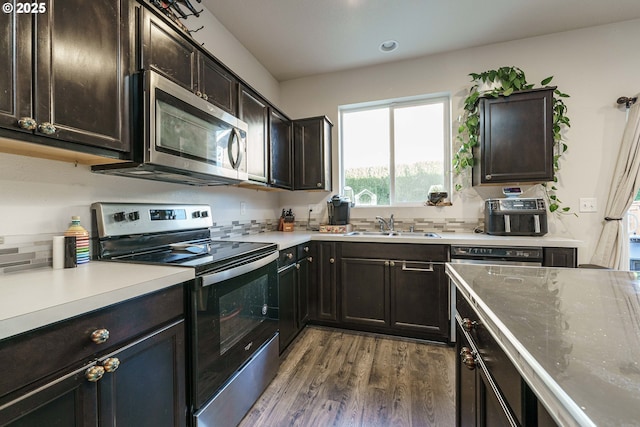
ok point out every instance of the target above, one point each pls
(435, 98)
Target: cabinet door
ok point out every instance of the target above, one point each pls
(304, 272)
(325, 300)
(365, 291)
(287, 322)
(65, 402)
(466, 411)
(493, 412)
(82, 53)
(15, 60)
(217, 85)
(254, 111)
(148, 388)
(281, 151)
(419, 298)
(312, 154)
(516, 138)
(165, 50)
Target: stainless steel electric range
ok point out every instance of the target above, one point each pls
(232, 305)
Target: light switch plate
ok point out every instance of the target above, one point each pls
(588, 204)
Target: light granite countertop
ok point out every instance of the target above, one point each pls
(573, 334)
(32, 299)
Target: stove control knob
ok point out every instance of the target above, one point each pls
(196, 214)
(134, 216)
(204, 214)
(119, 216)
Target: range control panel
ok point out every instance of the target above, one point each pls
(120, 219)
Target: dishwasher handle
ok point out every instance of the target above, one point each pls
(428, 269)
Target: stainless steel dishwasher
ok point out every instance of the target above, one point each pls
(497, 255)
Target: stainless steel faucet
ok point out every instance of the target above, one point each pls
(390, 225)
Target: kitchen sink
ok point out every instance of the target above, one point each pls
(394, 233)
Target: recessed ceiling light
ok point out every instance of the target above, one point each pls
(388, 46)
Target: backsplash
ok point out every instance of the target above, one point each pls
(26, 252)
(18, 253)
(442, 225)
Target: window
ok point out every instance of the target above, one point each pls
(393, 152)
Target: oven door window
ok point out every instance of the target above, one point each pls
(241, 311)
(188, 132)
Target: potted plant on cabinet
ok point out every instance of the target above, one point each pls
(503, 82)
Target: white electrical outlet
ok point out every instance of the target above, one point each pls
(243, 208)
(588, 204)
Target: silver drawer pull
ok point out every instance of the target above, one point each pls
(426, 270)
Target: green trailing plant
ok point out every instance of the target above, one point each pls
(504, 81)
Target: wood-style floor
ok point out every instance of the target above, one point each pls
(331, 377)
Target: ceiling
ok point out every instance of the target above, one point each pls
(297, 38)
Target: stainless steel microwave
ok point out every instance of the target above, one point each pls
(183, 138)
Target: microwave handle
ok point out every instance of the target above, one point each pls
(237, 159)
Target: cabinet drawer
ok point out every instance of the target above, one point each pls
(498, 365)
(396, 251)
(304, 250)
(287, 256)
(39, 353)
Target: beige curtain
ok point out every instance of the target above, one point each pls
(624, 186)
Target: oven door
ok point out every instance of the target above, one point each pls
(233, 313)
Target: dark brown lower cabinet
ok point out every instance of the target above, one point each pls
(71, 377)
(293, 292)
(287, 323)
(146, 389)
(394, 288)
(324, 284)
(489, 389)
(365, 292)
(419, 299)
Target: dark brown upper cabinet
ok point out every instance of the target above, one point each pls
(281, 153)
(168, 52)
(254, 111)
(172, 54)
(65, 74)
(217, 85)
(516, 138)
(312, 153)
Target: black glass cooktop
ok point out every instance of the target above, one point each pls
(204, 256)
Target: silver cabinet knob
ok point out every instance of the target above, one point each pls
(94, 373)
(47, 128)
(111, 364)
(99, 336)
(27, 123)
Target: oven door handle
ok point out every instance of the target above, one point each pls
(221, 276)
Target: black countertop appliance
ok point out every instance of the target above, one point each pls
(338, 209)
(515, 217)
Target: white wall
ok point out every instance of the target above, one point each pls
(39, 196)
(594, 66)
